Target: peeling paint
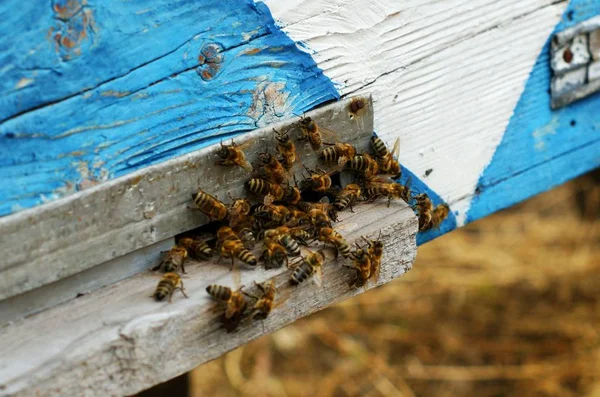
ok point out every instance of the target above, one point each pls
(540, 133)
(24, 82)
(269, 104)
(75, 27)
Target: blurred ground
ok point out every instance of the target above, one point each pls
(507, 306)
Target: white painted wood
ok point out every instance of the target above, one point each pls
(118, 341)
(419, 59)
(63, 238)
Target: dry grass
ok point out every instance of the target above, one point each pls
(509, 305)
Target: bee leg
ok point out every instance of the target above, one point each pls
(351, 209)
(232, 263)
(389, 201)
(182, 268)
(183, 291)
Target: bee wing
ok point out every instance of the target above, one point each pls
(246, 166)
(246, 144)
(318, 277)
(328, 134)
(396, 149)
(204, 236)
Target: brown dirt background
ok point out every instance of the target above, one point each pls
(506, 306)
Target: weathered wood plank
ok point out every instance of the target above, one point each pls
(142, 208)
(136, 86)
(117, 340)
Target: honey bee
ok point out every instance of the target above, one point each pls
(375, 251)
(273, 214)
(309, 266)
(210, 205)
(357, 106)
(167, 286)
(300, 235)
(388, 164)
(272, 191)
(246, 235)
(311, 132)
(173, 260)
(297, 217)
(329, 235)
(231, 246)
(196, 247)
(286, 149)
(238, 211)
(376, 189)
(361, 262)
(319, 180)
(338, 153)
(264, 304)
(379, 148)
(274, 254)
(236, 304)
(423, 207)
(283, 235)
(319, 218)
(291, 194)
(363, 163)
(440, 213)
(233, 154)
(347, 196)
(273, 170)
(322, 206)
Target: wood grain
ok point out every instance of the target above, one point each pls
(118, 341)
(63, 238)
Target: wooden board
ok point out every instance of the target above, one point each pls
(118, 341)
(449, 78)
(67, 237)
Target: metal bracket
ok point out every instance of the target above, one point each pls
(575, 63)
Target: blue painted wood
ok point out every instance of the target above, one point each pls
(92, 91)
(542, 148)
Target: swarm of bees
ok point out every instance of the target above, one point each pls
(293, 222)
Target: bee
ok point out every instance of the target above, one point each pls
(347, 196)
(173, 260)
(286, 149)
(273, 191)
(273, 214)
(319, 218)
(318, 181)
(232, 247)
(363, 163)
(310, 266)
(210, 205)
(297, 217)
(274, 254)
(246, 235)
(283, 235)
(388, 164)
(322, 206)
(273, 170)
(264, 304)
(379, 148)
(361, 262)
(376, 189)
(375, 251)
(236, 304)
(424, 208)
(338, 153)
(440, 213)
(300, 235)
(328, 235)
(311, 132)
(291, 194)
(167, 286)
(357, 105)
(196, 247)
(238, 211)
(233, 155)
